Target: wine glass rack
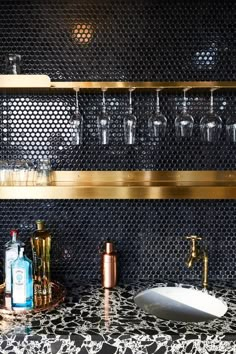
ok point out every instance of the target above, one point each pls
(121, 184)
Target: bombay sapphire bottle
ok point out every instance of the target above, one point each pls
(22, 282)
(11, 253)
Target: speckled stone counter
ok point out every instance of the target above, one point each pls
(98, 321)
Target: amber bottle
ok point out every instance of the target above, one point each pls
(41, 248)
(109, 266)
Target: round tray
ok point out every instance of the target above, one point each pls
(41, 303)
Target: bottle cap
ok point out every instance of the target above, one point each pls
(21, 253)
(39, 221)
(14, 232)
(40, 224)
(109, 247)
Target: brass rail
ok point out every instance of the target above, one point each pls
(44, 82)
(129, 185)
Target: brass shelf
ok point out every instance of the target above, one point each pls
(43, 82)
(129, 185)
(144, 85)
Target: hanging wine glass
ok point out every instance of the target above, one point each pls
(231, 129)
(76, 123)
(103, 122)
(184, 122)
(157, 122)
(130, 122)
(211, 124)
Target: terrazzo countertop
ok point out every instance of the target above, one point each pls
(98, 321)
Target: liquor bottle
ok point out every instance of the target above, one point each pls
(11, 253)
(22, 282)
(41, 247)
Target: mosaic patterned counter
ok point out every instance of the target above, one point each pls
(98, 321)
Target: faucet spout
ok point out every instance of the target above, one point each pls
(198, 255)
(189, 262)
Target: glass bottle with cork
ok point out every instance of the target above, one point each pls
(11, 253)
(41, 248)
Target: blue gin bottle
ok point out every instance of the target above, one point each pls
(22, 282)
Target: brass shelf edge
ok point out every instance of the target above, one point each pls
(142, 85)
(129, 185)
(44, 82)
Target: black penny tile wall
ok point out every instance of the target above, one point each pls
(140, 40)
(149, 235)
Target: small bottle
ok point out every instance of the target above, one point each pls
(11, 253)
(41, 248)
(22, 282)
(109, 266)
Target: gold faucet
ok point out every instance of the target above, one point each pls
(198, 255)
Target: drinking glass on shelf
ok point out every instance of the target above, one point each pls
(211, 124)
(3, 172)
(13, 64)
(103, 122)
(130, 122)
(44, 171)
(231, 129)
(157, 123)
(76, 123)
(184, 122)
(20, 172)
(31, 172)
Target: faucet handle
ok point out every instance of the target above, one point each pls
(193, 237)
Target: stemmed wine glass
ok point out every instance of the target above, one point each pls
(130, 122)
(103, 122)
(157, 122)
(76, 123)
(184, 122)
(211, 124)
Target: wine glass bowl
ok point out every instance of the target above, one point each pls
(76, 124)
(231, 129)
(157, 122)
(211, 124)
(103, 128)
(130, 121)
(184, 122)
(210, 128)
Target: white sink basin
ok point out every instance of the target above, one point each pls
(180, 304)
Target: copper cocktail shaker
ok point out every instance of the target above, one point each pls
(109, 266)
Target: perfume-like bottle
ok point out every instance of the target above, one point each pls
(22, 282)
(41, 248)
(11, 253)
(109, 266)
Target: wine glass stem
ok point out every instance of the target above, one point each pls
(211, 102)
(104, 136)
(185, 103)
(76, 103)
(130, 102)
(158, 101)
(103, 102)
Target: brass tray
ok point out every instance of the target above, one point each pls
(41, 303)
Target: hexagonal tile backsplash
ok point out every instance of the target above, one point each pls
(140, 40)
(149, 235)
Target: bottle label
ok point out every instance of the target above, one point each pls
(18, 286)
(11, 255)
